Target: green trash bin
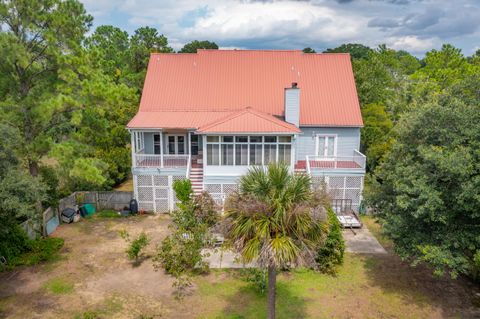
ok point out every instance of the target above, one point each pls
(89, 208)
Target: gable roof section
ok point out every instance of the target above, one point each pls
(249, 121)
(230, 80)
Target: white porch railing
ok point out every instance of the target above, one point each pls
(356, 161)
(189, 165)
(161, 161)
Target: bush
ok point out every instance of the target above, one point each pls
(180, 253)
(31, 252)
(183, 190)
(44, 249)
(330, 254)
(257, 278)
(205, 209)
(14, 243)
(136, 246)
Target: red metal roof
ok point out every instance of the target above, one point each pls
(174, 119)
(230, 80)
(249, 121)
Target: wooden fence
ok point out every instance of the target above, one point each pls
(101, 201)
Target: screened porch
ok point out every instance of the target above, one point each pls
(234, 154)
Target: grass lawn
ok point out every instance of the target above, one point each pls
(94, 279)
(361, 289)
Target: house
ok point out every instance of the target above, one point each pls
(210, 116)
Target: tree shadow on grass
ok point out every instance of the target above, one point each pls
(418, 286)
(248, 303)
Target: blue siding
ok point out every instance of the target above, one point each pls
(348, 140)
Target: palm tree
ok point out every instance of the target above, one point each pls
(275, 220)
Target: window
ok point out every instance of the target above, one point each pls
(326, 145)
(212, 139)
(241, 139)
(156, 143)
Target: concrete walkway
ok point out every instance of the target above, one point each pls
(362, 242)
(218, 258)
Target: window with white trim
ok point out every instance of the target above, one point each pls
(327, 145)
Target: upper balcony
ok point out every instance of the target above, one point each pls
(354, 163)
(160, 161)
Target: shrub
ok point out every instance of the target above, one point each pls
(257, 278)
(331, 252)
(43, 249)
(205, 209)
(183, 190)
(180, 253)
(136, 246)
(14, 243)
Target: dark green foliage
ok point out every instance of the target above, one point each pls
(50, 180)
(308, 50)
(41, 250)
(24, 251)
(330, 254)
(13, 243)
(256, 277)
(357, 51)
(427, 190)
(193, 46)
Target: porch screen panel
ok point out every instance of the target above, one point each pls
(241, 154)
(213, 153)
(227, 150)
(284, 153)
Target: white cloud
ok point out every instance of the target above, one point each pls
(411, 43)
(236, 20)
(289, 24)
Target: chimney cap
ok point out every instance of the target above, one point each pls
(294, 85)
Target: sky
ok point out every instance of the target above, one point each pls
(413, 25)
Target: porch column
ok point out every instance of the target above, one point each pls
(292, 153)
(189, 142)
(132, 146)
(161, 149)
(204, 141)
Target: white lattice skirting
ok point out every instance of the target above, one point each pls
(342, 187)
(155, 193)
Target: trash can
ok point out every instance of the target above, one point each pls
(87, 209)
(67, 215)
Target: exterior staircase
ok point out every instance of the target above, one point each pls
(196, 177)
